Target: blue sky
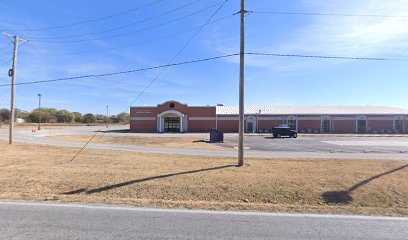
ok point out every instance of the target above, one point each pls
(269, 80)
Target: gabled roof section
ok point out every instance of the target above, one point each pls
(313, 110)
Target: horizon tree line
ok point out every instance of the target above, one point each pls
(53, 115)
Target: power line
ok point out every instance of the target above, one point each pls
(6, 53)
(87, 21)
(139, 43)
(122, 72)
(179, 52)
(329, 14)
(329, 57)
(120, 27)
(132, 32)
(6, 46)
(8, 61)
(208, 59)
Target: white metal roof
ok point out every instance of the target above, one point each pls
(314, 110)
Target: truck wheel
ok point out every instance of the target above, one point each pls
(294, 135)
(278, 135)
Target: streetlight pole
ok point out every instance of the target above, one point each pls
(39, 112)
(241, 87)
(257, 120)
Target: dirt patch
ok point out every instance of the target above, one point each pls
(103, 176)
(170, 142)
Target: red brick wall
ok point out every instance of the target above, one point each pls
(201, 112)
(312, 124)
(200, 125)
(228, 125)
(344, 126)
(268, 124)
(143, 126)
(380, 124)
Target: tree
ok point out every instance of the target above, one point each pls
(22, 114)
(123, 117)
(89, 118)
(52, 111)
(113, 118)
(4, 114)
(47, 115)
(64, 116)
(77, 117)
(100, 118)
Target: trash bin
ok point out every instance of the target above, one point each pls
(216, 136)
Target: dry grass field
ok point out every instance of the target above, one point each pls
(34, 172)
(170, 142)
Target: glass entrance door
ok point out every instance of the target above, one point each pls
(361, 126)
(326, 126)
(250, 127)
(398, 125)
(172, 124)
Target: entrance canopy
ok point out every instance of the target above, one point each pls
(170, 121)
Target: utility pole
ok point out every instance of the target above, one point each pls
(39, 112)
(107, 116)
(12, 73)
(241, 87)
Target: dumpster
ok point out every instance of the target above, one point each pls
(216, 136)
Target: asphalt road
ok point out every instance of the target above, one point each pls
(32, 220)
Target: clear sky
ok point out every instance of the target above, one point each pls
(116, 35)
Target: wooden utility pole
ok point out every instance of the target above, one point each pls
(12, 74)
(241, 87)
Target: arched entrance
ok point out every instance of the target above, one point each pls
(170, 121)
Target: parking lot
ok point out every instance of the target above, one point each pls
(317, 143)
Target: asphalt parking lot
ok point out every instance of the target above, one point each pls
(343, 144)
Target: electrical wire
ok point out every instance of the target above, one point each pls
(179, 52)
(8, 44)
(132, 32)
(8, 61)
(329, 14)
(6, 53)
(87, 21)
(139, 43)
(120, 27)
(123, 72)
(327, 57)
(204, 60)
